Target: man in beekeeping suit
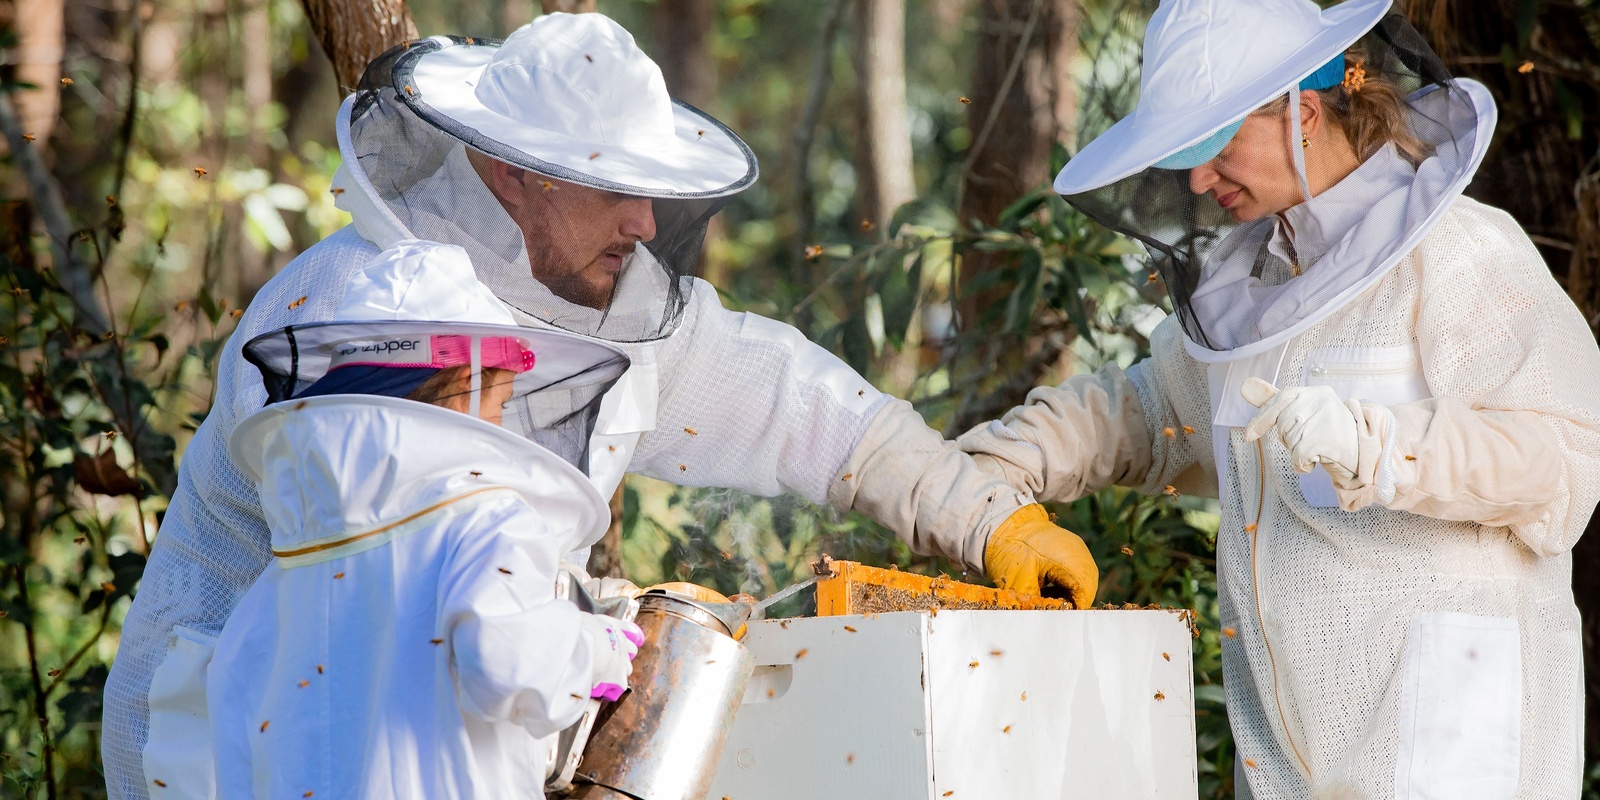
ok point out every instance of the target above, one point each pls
(581, 191)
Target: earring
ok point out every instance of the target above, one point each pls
(1305, 141)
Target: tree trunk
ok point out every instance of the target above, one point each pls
(605, 557)
(569, 6)
(884, 144)
(40, 28)
(883, 151)
(1023, 102)
(683, 49)
(354, 32)
(255, 265)
(514, 14)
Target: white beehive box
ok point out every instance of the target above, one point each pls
(965, 704)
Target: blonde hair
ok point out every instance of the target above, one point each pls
(1368, 109)
(449, 386)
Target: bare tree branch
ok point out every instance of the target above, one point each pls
(52, 210)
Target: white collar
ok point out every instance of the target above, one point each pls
(341, 464)
(1362, 231)
(1304, 234)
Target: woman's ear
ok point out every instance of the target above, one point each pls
(1310, 112)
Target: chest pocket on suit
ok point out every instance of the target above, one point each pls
(1384, 375)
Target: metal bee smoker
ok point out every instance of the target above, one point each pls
(663, 739)
(567, 747)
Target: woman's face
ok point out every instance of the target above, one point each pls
(1254, 175)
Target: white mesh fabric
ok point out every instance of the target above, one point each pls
(1321, 599)
(213, 541)
(771, 412)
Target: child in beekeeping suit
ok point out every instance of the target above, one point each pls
(407, 641)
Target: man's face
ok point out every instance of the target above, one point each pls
(577, 237)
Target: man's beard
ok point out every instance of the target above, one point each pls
(570, 284)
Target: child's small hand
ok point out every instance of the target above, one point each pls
(614, 644)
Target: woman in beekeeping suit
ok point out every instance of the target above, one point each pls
(421, 468)
(1397, 405)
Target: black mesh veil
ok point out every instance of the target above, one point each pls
(414, 162)
(1413, 136)
(550, 384)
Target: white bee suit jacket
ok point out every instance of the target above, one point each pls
(1420, 646)
(406, 641)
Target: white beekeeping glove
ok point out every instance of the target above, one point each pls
(603, 588)
(614, 643)
(1314, 425)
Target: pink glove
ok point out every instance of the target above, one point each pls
(614, 643)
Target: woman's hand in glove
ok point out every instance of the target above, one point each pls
(614, 643)
(1312, 422)
(1028, 550)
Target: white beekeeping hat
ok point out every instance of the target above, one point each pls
(569, 97)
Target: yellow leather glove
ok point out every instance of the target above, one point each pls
(1028, 550)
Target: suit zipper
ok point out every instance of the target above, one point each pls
(1254, 530)
(1345, 370)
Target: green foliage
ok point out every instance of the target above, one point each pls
(84, 474)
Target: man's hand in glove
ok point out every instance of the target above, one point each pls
(614, 643)
(1314, 425)
(602, 588)
(1028, 550)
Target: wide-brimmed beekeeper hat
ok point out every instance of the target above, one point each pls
(1245, 278)
(1207, 65)
(571, 99)
(417, 311)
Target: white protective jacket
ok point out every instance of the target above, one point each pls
(406, 640)
(770, 412)
(1423, 647)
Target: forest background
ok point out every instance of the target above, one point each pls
(164, 159)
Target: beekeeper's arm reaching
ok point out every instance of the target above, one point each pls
(1508, 438)
(749, 403)
(521, 655)
(1106, 428)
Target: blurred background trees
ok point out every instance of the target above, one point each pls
(163, 160)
